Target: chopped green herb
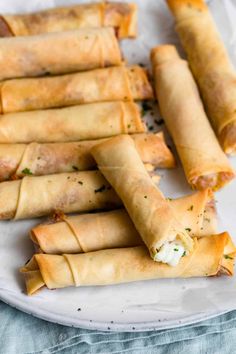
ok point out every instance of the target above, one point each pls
(101, 189)
(184, 254)
(169, 199)
(80, 182)
(75, 168)
(188, 229)
(128, 126)
(190, 208)
(176, 249)
(151, 127)
(26, 171)
(227, 257)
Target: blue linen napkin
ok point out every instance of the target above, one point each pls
(21, 333)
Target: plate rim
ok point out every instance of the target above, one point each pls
(107, 326)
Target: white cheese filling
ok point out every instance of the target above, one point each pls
(170, 253)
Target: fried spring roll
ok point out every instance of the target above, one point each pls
(18, 160)
(211, 256)
(151, 214)
(121, 16)
(114, 229)
(64, 192)
(211, 66)
(90, 121)
(205, 165)
(108, 84)
(76, 50)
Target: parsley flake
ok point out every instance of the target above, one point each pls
(227, 257)
(188, 229)
(190, 208)
(27, 171)
(75, 168)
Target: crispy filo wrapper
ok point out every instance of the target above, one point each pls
(58, 53)
(121, 16)
(211, 66)
(64, 192)
(119, 162)
(17, 160)
(211, 256)
(117, 83)
(204, 162)
(90, 121)
(114, 229)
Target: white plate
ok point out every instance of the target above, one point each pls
(142, 305)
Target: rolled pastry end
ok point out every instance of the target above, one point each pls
(171, 251)
(163, 53)
(214, 181)
(227, 138)
(32, 276)
(182, 9)
(50, 270)
(123, 17)
(54, 238)
(139, 84)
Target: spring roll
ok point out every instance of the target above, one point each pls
(18, 160)
(205, 164)
(108, 84)
(63, 192)
(114, 229)
(153, 217)
(211, 256)
(211, 66)
(76, 50)
(90, 121)
(121, 16)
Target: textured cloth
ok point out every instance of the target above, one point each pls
(21, 333)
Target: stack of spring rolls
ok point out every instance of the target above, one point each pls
(72, 141)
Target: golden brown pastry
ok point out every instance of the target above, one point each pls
(211, 66)
(90, 121)
(151, 214)
(64, 192)
(205, 164)
(109, 84)
(121, 16)
(211, 256)
(114, 229)
(58, 53)
(18, 160)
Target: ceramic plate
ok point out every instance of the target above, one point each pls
(142, 305)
